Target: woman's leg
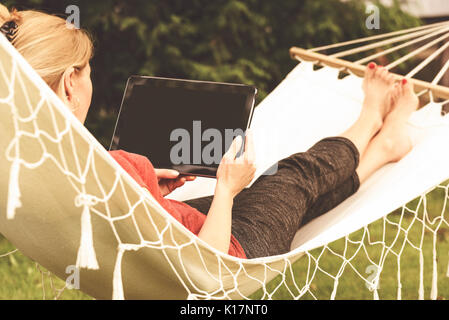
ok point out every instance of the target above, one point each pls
(390, 145)
(393, 141)
(266, 216)
(332, 199)
(323, 204)
(376, 106)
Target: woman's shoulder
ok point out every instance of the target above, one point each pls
(138, 166)
(141, 163)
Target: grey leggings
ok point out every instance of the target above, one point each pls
(266, 216)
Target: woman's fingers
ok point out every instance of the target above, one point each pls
(235, 173)
(175, 184)
(249, 152)
(179, 183)
(233, 150)
(249, 155)
(166, 174)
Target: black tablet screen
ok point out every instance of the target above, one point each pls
(182, 125)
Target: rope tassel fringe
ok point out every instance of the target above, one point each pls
(86, 252)
(13, 191)
(117, 284)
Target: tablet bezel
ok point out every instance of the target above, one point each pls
(208, 171)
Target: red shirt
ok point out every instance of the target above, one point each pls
(141, 170)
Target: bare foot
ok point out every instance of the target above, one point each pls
(393, 141)
(376, 85)
(394, 138)
(404, 101)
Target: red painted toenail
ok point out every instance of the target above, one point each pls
(372, 65)
(404, 81)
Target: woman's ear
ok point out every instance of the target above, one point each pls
(69, 84)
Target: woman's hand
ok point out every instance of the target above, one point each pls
(234, 174)
(169, 180)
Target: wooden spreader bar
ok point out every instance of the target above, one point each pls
(438, 91)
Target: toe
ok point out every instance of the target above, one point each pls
(400, 91)
(396, 92)
(408, 88)
(390, 79)
(383, 75)
(409, 93)
(393, 97)
(407, 85)
(370, 70)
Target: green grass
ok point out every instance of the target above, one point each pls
(21, 279)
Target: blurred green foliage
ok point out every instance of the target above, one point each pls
(241, 41)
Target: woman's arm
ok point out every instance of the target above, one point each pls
(216, 230)
(233, 175)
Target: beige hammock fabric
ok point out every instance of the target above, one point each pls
(67, 202)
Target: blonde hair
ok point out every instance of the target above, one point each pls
(49, 44)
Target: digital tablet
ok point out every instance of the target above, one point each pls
(183, 125)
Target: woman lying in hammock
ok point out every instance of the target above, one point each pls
(247, 223)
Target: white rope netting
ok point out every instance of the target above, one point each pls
(68, 204)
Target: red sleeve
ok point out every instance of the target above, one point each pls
(141, 169)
